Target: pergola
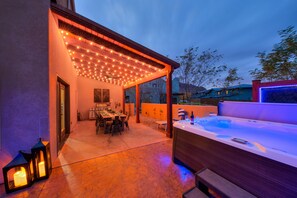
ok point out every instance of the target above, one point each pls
(104, 55)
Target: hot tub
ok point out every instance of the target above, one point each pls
(258, 156)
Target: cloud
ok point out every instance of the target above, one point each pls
(238, 29)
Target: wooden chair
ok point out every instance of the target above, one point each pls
(116, 125)
(126, 122)
(108, 125)
(99, 122)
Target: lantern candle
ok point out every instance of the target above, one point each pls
(41, 168)
(20, 178)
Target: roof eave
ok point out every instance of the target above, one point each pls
(109, 33)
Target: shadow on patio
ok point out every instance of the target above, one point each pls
(84, 144)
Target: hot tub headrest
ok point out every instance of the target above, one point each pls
(274, 112)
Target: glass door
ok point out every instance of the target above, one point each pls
(63, 113)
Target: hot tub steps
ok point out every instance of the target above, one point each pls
(214, 185)
(194, 193)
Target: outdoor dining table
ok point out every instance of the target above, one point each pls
(109, 116)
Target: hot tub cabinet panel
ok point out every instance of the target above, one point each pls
(259, 175)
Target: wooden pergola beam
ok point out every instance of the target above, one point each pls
(148, 79)
(169, 102)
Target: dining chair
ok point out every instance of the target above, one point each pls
(108, 125)
(126, 123)
(99, 122)
(116, 125)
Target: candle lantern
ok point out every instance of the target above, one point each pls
(41, 159)
(19, 173)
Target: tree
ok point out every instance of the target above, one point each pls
(231, 78)
(281, 63)
(199, 69)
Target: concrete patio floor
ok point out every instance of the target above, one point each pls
(135, 164)
(83, 143)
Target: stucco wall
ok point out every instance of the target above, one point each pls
(130, 108)
(86, 88)
(24, 76)
(159, 111)
(60, 65)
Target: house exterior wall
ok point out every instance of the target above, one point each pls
(67, 4)
(211, 97)
(233, 93)
(153, 91)
(86, 88)
(241, 94)
(24, 83)
(60, 65)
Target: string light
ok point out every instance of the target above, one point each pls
(88, 54)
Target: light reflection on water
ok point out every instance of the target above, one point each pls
(281, 137)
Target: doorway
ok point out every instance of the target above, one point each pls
(63, 113)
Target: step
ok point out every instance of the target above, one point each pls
(207, 179)
(194, 193)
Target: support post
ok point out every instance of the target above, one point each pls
(169, 102)
(256, 85)
(124, 101)
(137, 103)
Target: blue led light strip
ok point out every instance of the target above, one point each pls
(272, 87)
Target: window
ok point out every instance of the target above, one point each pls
(154, 85)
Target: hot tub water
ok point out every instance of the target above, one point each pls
(277, 136)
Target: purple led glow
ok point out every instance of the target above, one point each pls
(165, 160)
(261, 92)
(184, 173)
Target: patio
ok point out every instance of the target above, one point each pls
(135, 164)
(84, 144)
(77, 65)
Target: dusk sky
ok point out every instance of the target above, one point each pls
(238, 29)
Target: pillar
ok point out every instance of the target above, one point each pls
(124, 102)
(137, 103)
(169, 102)
(256, 85)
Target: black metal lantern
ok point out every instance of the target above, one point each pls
(18, 174)
(41, 159)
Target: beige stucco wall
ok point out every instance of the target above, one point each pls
(159, 111)
(86, 88)
(60, 65)
(198, 110)
(154, 110)
(130, 108)
(24, 85)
